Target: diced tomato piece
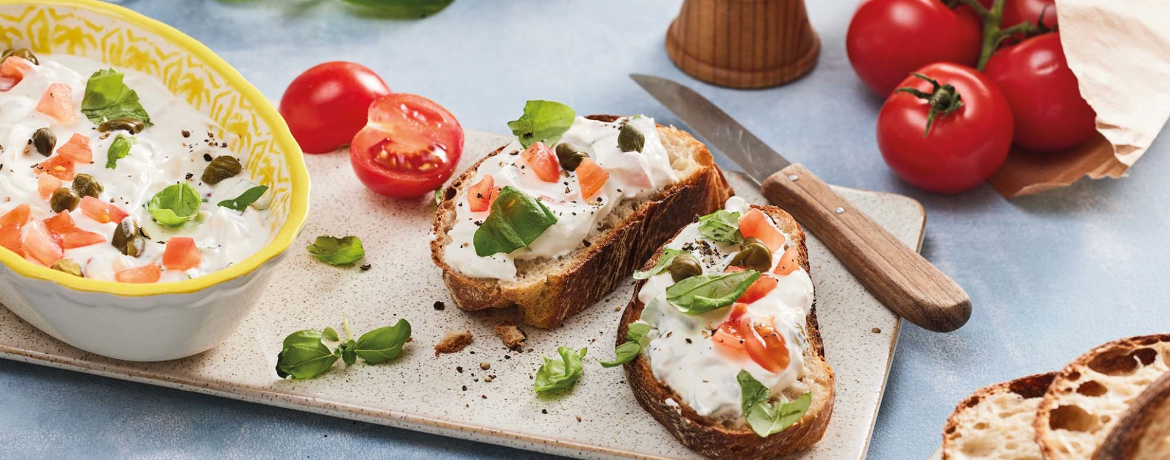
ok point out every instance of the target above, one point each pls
(78, 238)
(101, 211)
(10, 226)
(13, 69)
(789, 262)
(47, 184)
(728, 334)
(766, 346)
(181, 254)
(543, 162)
(149, 273)
(10, 240)
(77, 149)
(481, 195)
(17, 217)
(60, 224)
(759, 288)
(756, 224)
(591, 176)
(39, 245)
(58, 166)
(57, 102)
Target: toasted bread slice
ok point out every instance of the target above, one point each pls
(1090, 396)
(734, 440)
(547, 291)
(995, 423)
(1144, 431)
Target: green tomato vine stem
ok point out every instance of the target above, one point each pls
(993, 34)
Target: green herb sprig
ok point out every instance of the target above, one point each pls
(119, 149)
(663, 263)
(516, 220)
(175, 205)
(543, 121)
(342, 252)
(305, 355)
(560, 374)
(107, 98)
(767, 418)
(721, 225)
(703, 293)
(240, 203)
(635, 340)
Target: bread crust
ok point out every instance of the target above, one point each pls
(605, 263)
(1110, 359)
(1030, 387)
(708, 437)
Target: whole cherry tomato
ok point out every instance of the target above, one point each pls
(947, 131)
(326, 105)
(1017, 11)
(888, 39)
(409, 146)
(1050, 114)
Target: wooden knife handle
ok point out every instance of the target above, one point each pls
(899, 277)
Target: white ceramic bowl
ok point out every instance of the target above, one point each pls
(162, 321)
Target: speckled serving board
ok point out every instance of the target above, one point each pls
(599, 418)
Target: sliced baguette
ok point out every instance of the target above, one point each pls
(995, 423)
(734, 440)
(547, 291)
(1144, 431)
(1090, 396)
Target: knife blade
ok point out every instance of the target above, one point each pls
(896, 275)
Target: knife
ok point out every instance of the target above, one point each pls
(896, 275)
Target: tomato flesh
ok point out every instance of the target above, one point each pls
(409, 146)
(756, 224)
(100, 211)
(63, 229)
(149, 273)
(12, 70)
(77, 149)
(591, 176)
(60, 223)
(789, 262)
(57, 166)
(47, 184)
(10, 225)
(542, 161)
(740, 334)
(57, 102)
(759, 288)
(481, 195)
(39, 245)
(326, 105)
(181, 254)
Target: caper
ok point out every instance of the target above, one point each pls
(570, 156)
(86, 185)
(753, 254)
(630, 139)
(69, 266)
(64, 199)
(222, 167)
(20, 53)
(684, 266)
(128, 238)
(133, 125)
(44, 140)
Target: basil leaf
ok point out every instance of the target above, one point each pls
(624, 353)
(554, 375)
(635, 332)
(337, 251)
(107, 97)
(330, 334)
(752, 392)
(118, 150)
(347, 353)
(703, 293)
(664, 260)
(175, 205)
(240, 203)
(383, 344)
(543, 121)
(515, 221)
(400, 9)
(304, 356)
(721, 225)
(764, 417)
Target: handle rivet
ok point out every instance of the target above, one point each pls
(839, 210)
(793, 177)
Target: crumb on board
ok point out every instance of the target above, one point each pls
(876, 330)
(512, 335)
(453, 342)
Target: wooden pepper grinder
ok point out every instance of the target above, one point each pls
(743, 43)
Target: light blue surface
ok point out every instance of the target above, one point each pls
(1050, 276)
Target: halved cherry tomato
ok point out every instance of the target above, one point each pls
(101, 211)
(481, 195)
(57, 102)
(409, 147)
(326, 105)
(39, 245)
(47, 184)
(756, 224)
(10, 225)
(181, 254)
(57, 166)
(591, 176)
(13, 68)
(149, 273)
(543, 162)
(77, 149)
(759, 288)
(789, 262)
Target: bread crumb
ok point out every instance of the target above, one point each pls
(512, 336)
(453, 342)
(488, 379)
(578, 419)
(485, 365)
(876, 330)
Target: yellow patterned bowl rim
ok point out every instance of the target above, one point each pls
(298, 174)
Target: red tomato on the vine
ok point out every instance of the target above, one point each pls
(1017, 11)
(409, 146)
(888, 39)
(326, 105)
(1050, 114)
(969, 134)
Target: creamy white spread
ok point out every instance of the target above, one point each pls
(176, 148)
(631, 175)
(684, 356)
